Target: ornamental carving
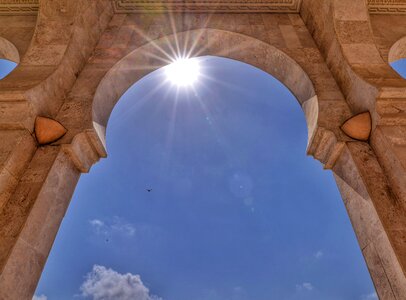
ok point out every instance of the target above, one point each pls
(241, 6)
(30, 7)
(387, 6)
(19, 7)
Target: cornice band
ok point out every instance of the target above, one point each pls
(30, 7)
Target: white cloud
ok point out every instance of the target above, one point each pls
(304, 286)
(319, 254)
(96, 223)
(115, 226)
(372, 296)
(41, 297)
(106, 284)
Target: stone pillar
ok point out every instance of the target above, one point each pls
(39, 183)
(389, 137)
(17, 147)
(30, 219)
(36, 183)
(371, 175)
(377, 216)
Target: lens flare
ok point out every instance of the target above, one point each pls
(183, 71)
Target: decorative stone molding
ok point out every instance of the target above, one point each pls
(30, 7)
(387, 6)
(84, 151)
(19, 7)
(227, 6)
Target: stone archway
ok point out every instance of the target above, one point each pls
(99, 37)
(324, 144)
(235, 46)
(138, 103)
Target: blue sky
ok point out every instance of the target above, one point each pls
(400, 67)
(237, 210)
(6, 67)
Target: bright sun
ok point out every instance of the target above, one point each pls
(183, 71)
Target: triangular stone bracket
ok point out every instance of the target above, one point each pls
(358, 127)
(48, 130)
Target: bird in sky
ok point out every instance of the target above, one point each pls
(149, 190)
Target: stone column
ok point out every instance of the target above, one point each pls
(389, 137)
(369, 174)
(36, 183)
(377, 216)
(33, 204)
(30, 219)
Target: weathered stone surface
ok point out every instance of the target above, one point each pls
(351, 174)
(22, 7)
(47, 203)
(78, 57)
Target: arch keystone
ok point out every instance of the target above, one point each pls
(358, 127)
(48, 130)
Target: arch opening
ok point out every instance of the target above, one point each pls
(249, 149)
(213, 42)
(400, 67)
(9, 57)
(397, 57)
(6, 67)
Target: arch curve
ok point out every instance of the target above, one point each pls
(398, 50)
(214, 42)
(8, 51)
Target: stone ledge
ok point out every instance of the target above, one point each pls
(204, 6)
(19, 7)
(387, 7)
(30, 7)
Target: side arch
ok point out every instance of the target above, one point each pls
(214, 42)
(62, 38)
(9, 51)
(342, 29)
(398, 50)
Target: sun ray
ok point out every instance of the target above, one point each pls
(137, 104)
(212, 123)
(174, 32)
(206, 78)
